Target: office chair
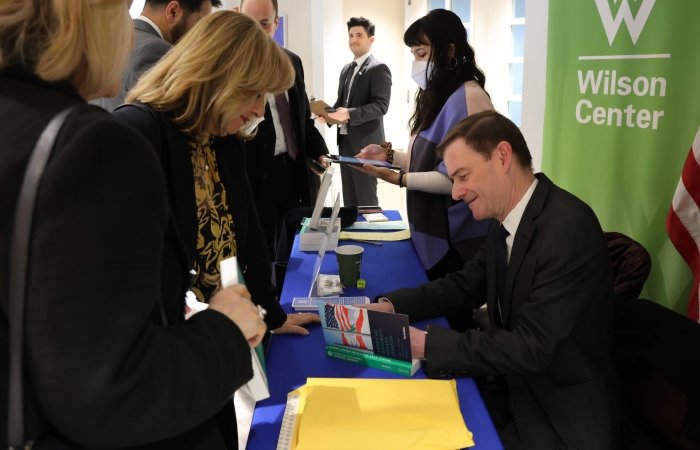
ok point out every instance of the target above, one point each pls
(631, 266)
(658, 356)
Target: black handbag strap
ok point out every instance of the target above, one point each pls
(19, 256)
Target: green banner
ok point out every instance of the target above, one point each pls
(622, 108)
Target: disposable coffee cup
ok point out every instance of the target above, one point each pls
(349, 263)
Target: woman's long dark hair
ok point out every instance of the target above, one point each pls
(440, 28)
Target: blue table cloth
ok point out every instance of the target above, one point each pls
(291, 359)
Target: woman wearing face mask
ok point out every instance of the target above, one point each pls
(443, 231)
(207, 88)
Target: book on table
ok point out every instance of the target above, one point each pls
(375, 339)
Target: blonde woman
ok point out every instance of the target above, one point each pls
(208, 87)
(101, 368)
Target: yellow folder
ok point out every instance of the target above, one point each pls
(349, 413)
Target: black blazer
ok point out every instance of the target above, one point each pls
(101, 370)
(368, 102)
(171, 145)
(555, 347)
(310, 143)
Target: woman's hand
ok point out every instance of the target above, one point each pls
(320, 168)
(382, 173)
(295, 323)
(234, 302)
(373, 151)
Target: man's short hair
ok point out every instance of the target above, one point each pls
(362, 22)
(483, 131)
(274, 5)
(190, 6)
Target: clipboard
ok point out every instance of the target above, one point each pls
(318, 107)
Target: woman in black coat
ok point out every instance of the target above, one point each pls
(207, 88)
(101, 368)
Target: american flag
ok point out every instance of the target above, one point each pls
(344, 319)
(329, 315)
(683, 221)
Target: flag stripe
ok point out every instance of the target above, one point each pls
(682, 239)
(683, 221)
(341, 315)
(689, 177)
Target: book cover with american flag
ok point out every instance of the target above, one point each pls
(379, 333)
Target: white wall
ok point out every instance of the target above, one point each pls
(388, 17)
(535, 77)
(317, 32)
(490, 38)
(388, 47)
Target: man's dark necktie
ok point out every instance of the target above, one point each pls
(286, 121)
(348, 82)
(501, 269)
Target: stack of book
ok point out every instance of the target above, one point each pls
(375, 339)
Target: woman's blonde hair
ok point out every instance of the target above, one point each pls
(219, 67)
(84, 42)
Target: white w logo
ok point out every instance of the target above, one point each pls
(635, 25)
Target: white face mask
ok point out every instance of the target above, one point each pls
(420, 72)
(249, 128)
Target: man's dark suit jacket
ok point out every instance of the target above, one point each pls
(149, 47)
(100, 369)
(368, 103)
(310, 143)
(555, 347)
(251, 250)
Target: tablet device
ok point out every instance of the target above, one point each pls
(360, 161)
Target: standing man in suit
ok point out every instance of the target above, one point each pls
(277, 155)
(545, 274)
(161, 24)
(364, 91)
